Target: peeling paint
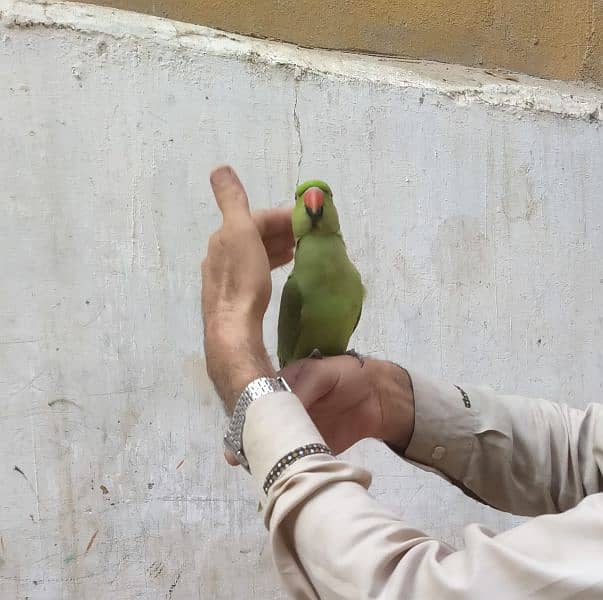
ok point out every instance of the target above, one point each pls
(91, 542)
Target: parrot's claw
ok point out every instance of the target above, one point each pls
(357, 356)
(316, 353)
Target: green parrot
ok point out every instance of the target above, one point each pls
(322, 298)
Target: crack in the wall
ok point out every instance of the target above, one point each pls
(296, 123)
(133, 233)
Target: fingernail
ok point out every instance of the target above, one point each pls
(222, 175)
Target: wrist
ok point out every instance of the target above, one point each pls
(396, 399)
(235, 355)
(239, 372)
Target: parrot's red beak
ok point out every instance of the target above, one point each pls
(313, 200)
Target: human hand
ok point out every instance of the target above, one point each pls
(276, 231)
(349, 402)
(236, 286)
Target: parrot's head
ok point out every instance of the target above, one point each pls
(314, 209)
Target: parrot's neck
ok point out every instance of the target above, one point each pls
(317, 233)
(316, 248)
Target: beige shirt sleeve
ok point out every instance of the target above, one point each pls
(520, 455)
(330, 539)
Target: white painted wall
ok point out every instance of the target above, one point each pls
(471, 204)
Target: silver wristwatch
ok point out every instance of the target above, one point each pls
(233, 440)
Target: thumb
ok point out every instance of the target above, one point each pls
(311, 379)
(230, 195)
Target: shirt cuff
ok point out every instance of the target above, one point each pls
(275, 424)
(445, 422)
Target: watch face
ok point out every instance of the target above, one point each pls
(282, 381)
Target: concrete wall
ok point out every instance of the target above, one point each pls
(549, 38)
(470, 204)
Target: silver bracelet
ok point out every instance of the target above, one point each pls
(290, 458)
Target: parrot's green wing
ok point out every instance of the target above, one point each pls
(358, 319)
(289, 321)
(361, 304)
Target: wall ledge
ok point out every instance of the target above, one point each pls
(463, 85)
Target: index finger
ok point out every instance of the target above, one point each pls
(274, 222)
(230, 195)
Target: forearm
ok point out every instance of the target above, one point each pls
(239, 355)
(337, 542)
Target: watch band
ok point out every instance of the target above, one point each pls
(233, 440)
